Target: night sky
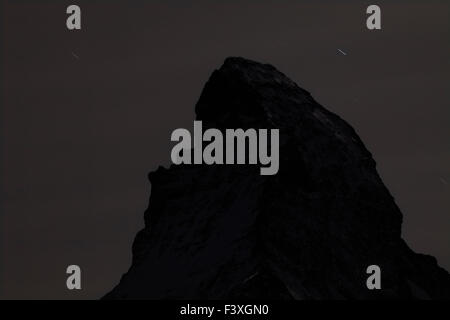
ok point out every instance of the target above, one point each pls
(85, 115)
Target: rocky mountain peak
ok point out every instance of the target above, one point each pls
(308, 232)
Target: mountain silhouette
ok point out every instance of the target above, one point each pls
(308, 232)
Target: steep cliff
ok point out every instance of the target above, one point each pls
(308, 232)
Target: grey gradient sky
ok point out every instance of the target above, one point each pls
(87, 114)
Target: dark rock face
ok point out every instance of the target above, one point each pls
(308, 232)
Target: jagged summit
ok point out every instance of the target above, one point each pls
(250, 84)
(308, 232)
